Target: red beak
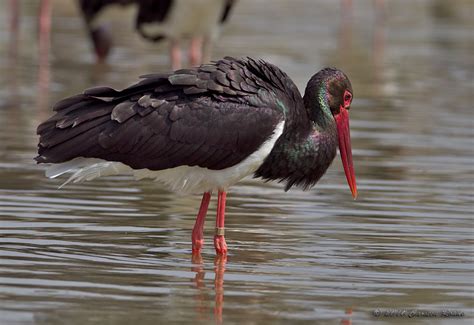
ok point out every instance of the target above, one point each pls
(344, 135)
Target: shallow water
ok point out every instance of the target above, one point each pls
(117, 251)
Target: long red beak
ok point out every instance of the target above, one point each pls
(344, 135)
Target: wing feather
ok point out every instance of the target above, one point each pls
(163, 121)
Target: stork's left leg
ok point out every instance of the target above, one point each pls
(195, 51)
(219, 240)
(198, 230)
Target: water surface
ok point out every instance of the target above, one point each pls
(116, 251)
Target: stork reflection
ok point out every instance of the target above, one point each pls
(44, 44)
(199, 280)
(345, 39)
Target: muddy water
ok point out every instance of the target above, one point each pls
(115, 251)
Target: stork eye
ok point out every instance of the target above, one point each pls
(347, 99)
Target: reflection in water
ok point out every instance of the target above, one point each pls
(347, 320)
(14, 27)
(201, 294)
(117, 251)
(14, 33)
(44, 44)
(378, 44)
(219, 264)
(345, 46)
(345, 29)
(202, 297)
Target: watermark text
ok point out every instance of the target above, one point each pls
(414, 313)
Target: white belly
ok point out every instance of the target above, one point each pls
(189, 18)
(182, 179)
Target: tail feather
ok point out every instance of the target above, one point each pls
(53, 137)
(99, 169)
(55, 170)
(74, 129)
(85, 169)
(81, 122)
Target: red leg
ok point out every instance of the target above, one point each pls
(219, 240)
(175, 54)
(195, 51)
(45, 18)
(198, 236)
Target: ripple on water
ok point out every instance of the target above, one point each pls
(118, 251)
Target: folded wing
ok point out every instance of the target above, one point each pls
(212, 116)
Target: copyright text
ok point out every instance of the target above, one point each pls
(413, 313)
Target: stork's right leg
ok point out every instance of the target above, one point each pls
(198, 230)
(219, 239)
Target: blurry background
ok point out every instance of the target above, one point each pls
(116, 251)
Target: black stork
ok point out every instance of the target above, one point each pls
(203, 129)
(178, 20)
(99, 33)
(174, 20)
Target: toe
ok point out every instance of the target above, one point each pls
(220, 245)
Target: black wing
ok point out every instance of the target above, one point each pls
(213, 116)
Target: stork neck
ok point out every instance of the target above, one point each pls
(303, 154)
(316, 102)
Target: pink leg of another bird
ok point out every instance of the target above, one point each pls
(195, 51)
(198, 230)
(219, 240)
(175, 54)
(45, 17)
(207, 49)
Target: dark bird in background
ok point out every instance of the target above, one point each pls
(203, 129)
(196, 21)
(99, 32)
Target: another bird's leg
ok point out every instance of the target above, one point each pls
(44, 31)
(102, 40)
(45, 18)
(206, 49)
(195, 51)
(175, 54)
(198, 230)
(219, 240)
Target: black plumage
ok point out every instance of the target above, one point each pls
(158, 124)
(90, 8)
(100, 35)
(148, 12)
(153, 11)
(233, 118)
(229, 4)
(213, 116)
